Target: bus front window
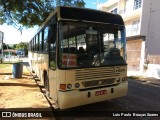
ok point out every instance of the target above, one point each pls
(90, 45)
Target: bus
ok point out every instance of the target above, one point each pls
(79, 55)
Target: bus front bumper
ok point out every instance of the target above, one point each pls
(75, 98)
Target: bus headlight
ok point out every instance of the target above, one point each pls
(118, 80)
(69, 86)
(77, 85)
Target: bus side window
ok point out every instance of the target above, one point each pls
(52, 46)
(45, 45)
(37, 39)
(36, 43)
(41, 41)
(52, 56)
(33, 44)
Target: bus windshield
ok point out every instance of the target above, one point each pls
(90, 45)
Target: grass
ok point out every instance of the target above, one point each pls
(4, 65)
(11, 62)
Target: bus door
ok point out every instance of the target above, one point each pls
(52, 61)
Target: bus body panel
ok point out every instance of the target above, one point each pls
(56, 78)
(39, 64)
(53, 84)
(76, 98)
(44, 66)
(36, 62)
(90, 81)
(30, 58)
(101, 74)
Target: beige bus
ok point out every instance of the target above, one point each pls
(79, 55)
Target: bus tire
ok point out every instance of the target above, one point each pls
(46, 85)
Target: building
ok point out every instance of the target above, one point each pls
(142, 23)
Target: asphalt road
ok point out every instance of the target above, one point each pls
(142, 99)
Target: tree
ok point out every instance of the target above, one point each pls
(5, 46)
(14, 47)
(31, 12)
(23, 46)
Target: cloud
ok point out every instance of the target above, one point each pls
(13, 36)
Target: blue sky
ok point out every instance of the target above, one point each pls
(13, 36)
(92, 3)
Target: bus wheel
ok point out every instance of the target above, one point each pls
(46, 85)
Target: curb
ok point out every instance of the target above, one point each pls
(149, 81)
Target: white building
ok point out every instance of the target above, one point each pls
(142, 21)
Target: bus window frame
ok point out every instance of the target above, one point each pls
(33, 45)
(52, 38)
(119, 27)
(55, 58)
(37, 39)
(40, 41)
(45, 40)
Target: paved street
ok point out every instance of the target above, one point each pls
(141, 97)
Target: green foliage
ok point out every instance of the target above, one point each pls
(73, 3)
(31, 12)
(22, 45)
(5, 46)
(5, 65)
(14, 46)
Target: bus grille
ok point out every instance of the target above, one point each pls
(98, 82)
(96, 73)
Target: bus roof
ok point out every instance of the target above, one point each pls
(85, 14)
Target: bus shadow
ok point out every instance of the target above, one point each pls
(5, 73)
(18, 84)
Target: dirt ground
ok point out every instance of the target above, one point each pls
(20, 93)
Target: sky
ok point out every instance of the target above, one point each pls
(13, 36)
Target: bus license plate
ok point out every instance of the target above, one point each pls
(102, 92)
